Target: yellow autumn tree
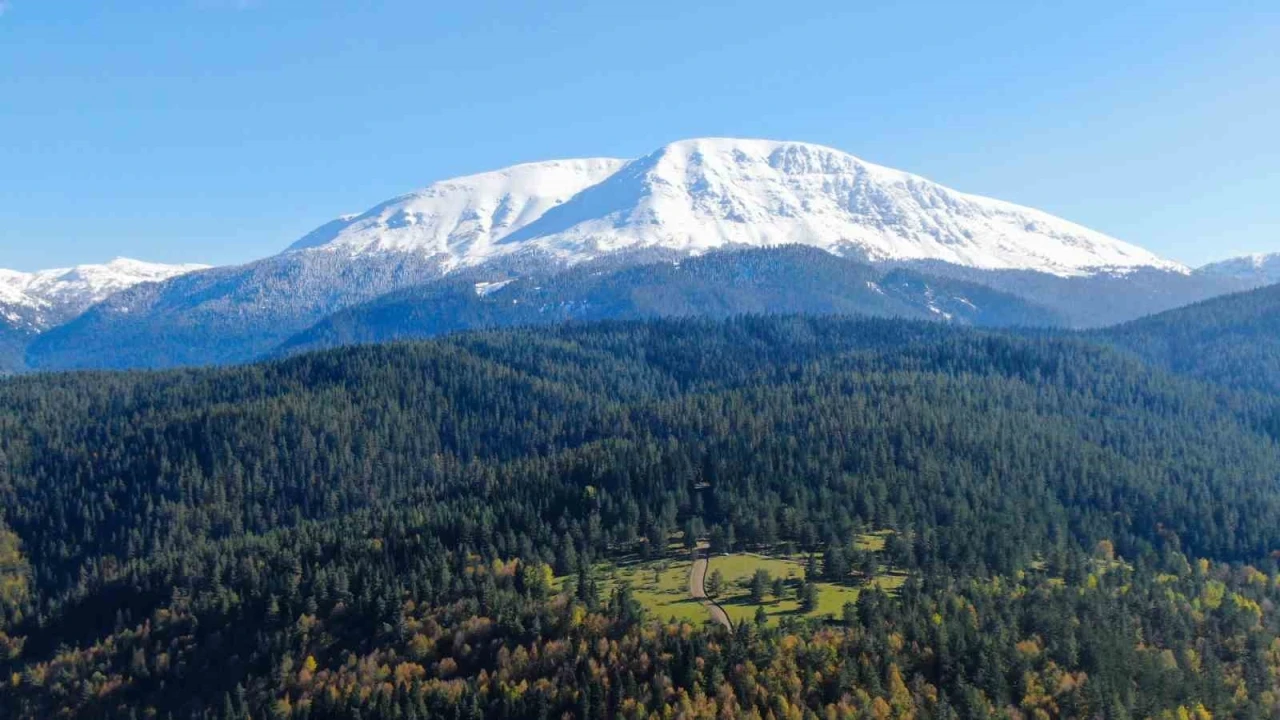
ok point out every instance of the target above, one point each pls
(1035, 701)
(899, 696)
(1105, 551)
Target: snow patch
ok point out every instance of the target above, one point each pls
(484, 289)
(36, 298)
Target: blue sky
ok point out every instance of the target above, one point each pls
(219, 131)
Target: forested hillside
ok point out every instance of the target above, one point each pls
(418, 530)
(13, 343)
(781, 280)
(1233, 340)
(1097, 300)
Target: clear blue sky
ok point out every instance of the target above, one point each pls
(219, 131)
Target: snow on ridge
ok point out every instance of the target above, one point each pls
(32, 298)
(464, 215)
(1262, 268)
(698, 195)
(92, 283)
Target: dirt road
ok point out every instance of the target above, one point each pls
(698, 589)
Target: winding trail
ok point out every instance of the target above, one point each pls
(698, 588)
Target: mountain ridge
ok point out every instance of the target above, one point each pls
(473, 207)
(38, 300)
(703, 194)
(1256, 269)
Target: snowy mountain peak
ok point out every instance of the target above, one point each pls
(462, 216)
(698, 195)
(1255, 269)
(48, 296)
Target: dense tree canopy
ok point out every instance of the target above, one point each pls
(1232, 340)
(371, 531)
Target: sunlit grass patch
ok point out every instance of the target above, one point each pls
(738, 569)
(660, 586)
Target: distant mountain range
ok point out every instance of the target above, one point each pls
(31, 303)
(43, 299)
(1254, 270)
(603, 238)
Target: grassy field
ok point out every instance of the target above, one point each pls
(662, 586)
(738, 569)
(873, 541)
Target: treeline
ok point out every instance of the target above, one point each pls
(370, 532)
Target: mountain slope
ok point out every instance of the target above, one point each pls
(1099, 299)
(698, 195)
(222, 315)
(463, 216)
(42, 299)
(790, 279)
(13, 345)
(1254, 270)
(1232, 340)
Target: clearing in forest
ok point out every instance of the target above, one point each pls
(662, 586)
(738, 569)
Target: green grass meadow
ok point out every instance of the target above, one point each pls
(662, 586)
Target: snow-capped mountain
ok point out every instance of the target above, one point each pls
(1254, 270)
(463, 217)
(686, 199)
(699, 195)
(41, 299)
